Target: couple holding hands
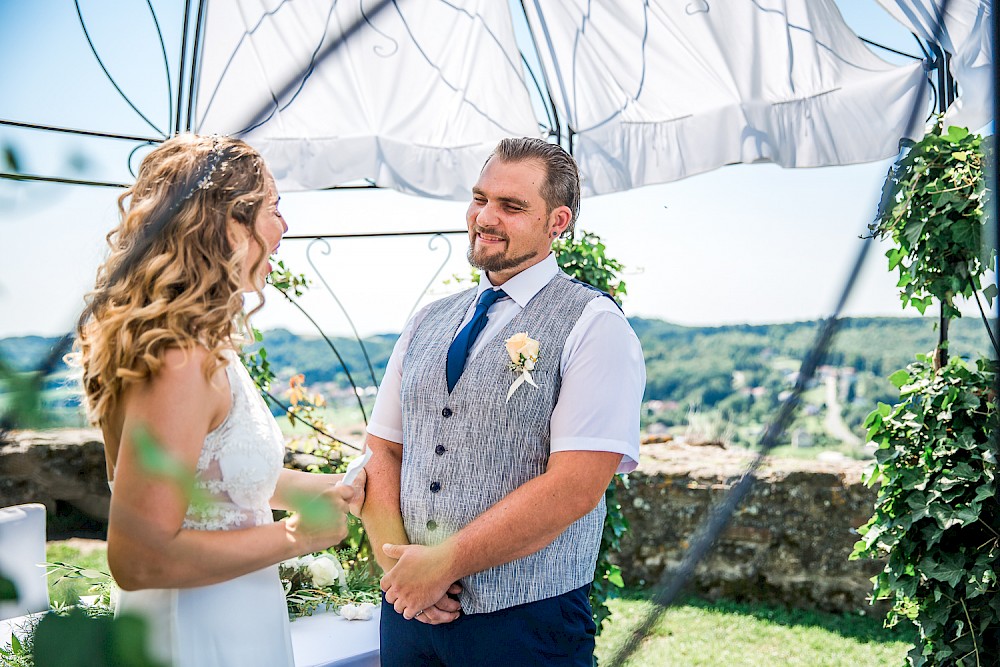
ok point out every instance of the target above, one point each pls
(503, 415)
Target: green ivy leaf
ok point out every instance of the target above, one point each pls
(990, 293)
(956, 134)
(948, 517)
(950, 568)
(898, 379)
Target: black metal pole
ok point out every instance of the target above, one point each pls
(84, 133)
(993, 174)
(195, 65)
(180, 68)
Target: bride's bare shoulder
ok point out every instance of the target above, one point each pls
(180, 383)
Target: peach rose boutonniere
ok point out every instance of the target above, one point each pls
(523, 352)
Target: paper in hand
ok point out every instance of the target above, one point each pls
(355, 467)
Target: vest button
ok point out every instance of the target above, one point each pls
(439, 450)
(432, 525)
(446, 413)
(435, 487)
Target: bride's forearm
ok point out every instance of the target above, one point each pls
(146, 554)
(295, 485)
(140, 560)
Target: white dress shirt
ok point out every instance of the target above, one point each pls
(603, 374)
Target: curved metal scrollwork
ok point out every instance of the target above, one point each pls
(131, 156)
(432, 246)
(354, 329)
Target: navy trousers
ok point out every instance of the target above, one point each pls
(554, 632)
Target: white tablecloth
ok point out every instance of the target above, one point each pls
(321, 640)
(327, 640)
(9, 625)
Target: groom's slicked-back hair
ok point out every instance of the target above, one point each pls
(562, 178)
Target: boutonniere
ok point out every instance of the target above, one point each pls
(523, 352)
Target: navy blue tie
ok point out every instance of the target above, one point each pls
(459, 350)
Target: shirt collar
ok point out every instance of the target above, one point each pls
(523, 287)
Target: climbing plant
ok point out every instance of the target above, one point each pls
(937, 513)
(585, 258)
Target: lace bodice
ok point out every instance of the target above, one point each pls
(240, 463)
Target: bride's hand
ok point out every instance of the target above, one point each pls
(323, 531)
(358, 500)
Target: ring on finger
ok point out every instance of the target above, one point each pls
(418, 613)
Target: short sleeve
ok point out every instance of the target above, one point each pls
(603, 380)
(386, 421)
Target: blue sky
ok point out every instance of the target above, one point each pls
(741, 244)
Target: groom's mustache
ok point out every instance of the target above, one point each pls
(496, 235)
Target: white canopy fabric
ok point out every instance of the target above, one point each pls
(663, 90)
(418, 94)
(415, 98)
(967, 37)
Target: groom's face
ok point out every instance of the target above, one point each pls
(510, 226)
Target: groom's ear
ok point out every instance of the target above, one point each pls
(559, 219)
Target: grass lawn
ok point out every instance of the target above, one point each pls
(694, 634)
(711, 634)
(90, 554)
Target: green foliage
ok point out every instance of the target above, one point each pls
(584, 258)
(936, 220)
(304, 597)
(24, 406)
(8, 590)
(96, 641)
(256, 361)
(608, 581)
(96, 637)
(306, 407)
(937, 517)
(66, 590)
(938, 512)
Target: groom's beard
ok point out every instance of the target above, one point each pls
(498, 262)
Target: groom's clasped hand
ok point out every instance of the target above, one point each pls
(420, 585)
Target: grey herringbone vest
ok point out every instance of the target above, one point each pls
(464, 452)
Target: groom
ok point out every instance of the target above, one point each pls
(485, 493)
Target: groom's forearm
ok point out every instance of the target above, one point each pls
(533, 515)
(381, 513)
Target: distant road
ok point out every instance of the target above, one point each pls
(834, 422)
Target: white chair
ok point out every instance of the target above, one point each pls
(22, 554)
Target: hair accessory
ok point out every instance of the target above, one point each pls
(204, 182)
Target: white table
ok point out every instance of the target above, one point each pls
(327, 640)
(320, 640)
(9, 625)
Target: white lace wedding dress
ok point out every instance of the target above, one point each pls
(243, 621)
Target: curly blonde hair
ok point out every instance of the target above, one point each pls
(172, 277)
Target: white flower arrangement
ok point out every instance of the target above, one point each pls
(523, 353)
(320, 580)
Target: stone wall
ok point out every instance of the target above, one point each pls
(787, 543)
(59, 468)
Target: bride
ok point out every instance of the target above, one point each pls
(158, 347)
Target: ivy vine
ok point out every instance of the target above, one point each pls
(937, 515)
(585, 258)
(936, 221)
